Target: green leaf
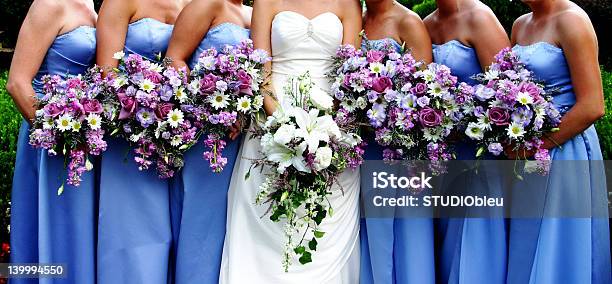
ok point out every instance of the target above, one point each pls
(312, 245)
(60, 190)
(300, 250)
(284, 196)
(480, 152)
(306, 258)
(319, 234)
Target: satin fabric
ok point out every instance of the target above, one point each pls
(470, 250)
(45, 227)
(135, 233)
(393, 250)
(202, 199)
(253, 243)
(563, 250)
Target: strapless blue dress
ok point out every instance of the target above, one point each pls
(563, 250)
(394, 250)
(201, 202)
(470, 250)
(46, 228)
(135, 234)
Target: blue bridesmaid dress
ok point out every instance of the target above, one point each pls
(563, 250)
(202, 199)
(394, 250)
(135, 233)
(45, 227)
(470, 250)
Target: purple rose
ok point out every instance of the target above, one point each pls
(381, 84)
(375, 56)
(244, 79)
(430, 117)
(91, 106)
(52, 110)
(419, 89)
(499, 116)
(533, 90)
(162, 110)
(128, 106)
(208, 84)
(495, 148)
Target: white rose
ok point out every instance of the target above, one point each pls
(321, 99)
(323, 157)
(284, 134)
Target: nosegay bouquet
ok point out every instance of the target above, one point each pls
(511, 108)
(412, 107)
(225, 86)
(69, 120)
(307, 150)
(149, 107)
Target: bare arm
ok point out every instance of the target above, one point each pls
(113, 21)
(351, 20)
(41, 26)
(488, 36)
(414, 33)
(190, 28)
(579, 43)
(261, 30)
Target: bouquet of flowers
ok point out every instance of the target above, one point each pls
(511, 108)
(412, 107)
(225, 87)
(148, 105)
(307, 150)
(69, 120)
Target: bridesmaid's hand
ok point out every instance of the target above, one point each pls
(513, 154)
(235, 130)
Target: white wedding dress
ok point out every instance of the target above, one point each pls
(253, 243)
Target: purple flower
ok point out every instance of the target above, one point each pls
(499, 116)
(419, 89)
(91, 106)
(377, 115)
(145, 117)
(375, 56)
(495, 149)
(423, 101)
(208, 84)
(381, 84)
(430, 117)
(128, 106)
(162, 110)
(522, 116)
(52, 110)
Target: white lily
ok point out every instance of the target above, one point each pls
(314, 128)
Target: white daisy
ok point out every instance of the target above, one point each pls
(524, 98)
(218, 100)
(515, 130)
(175, 118)
(491, 75)
(474, 131)
(120, 82)
(377, 67)
(176, 140)
(147, 85)
(258, 102)
(156, 68)
(243, 104)
(76, 126)
(181, 95)
(64, 122)
(95, 121)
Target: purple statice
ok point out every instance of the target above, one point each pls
(510, 108)
(215, 147)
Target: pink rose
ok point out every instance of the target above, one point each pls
(419, 89)
(375, 56)
(128, 106)
(162, 110)
(208, 84)
(499, 116)
(381, 84)
(52, 110)
(244, 79)
(91, 106)
(430, 117)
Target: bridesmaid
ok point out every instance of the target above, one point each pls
(58, 38)
(202, 194)
(557, 42)
(467, 36)
(135, 233)
(395, 250)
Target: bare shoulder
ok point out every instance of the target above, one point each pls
(407, 17)
(51, 7)
(481, 15)
(573, 18)
(206, 4)
(432, 18)
(247, 9)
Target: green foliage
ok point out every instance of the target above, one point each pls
(424, 8)
(9, 130)
(604, 125)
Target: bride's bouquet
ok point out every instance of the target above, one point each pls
(149, 106)
(412, 107)
(511, 108)
(306, 150)
(69, 120)
(225, 87)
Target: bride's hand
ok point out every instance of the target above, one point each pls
(234, 130)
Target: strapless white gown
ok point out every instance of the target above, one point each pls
(253, 243)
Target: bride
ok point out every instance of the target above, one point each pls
(301, 36)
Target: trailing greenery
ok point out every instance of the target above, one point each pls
(604, 125)
(9, 129)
